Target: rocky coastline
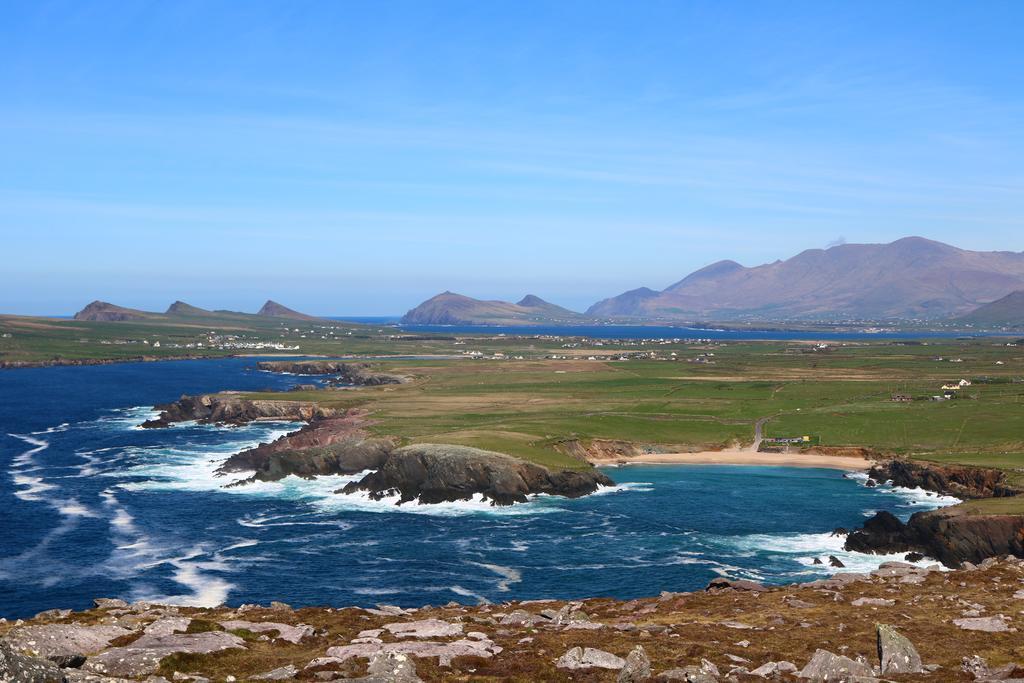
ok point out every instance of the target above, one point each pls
(952, 535)
(358, 374)
(423, 473)
(62, 362)
(900, 622)
(232, 409)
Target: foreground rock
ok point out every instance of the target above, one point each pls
(55, 640)
(826, 666)
(896, 631)
(143, 656)
(896, 654)
(438, 473)
(19, 668)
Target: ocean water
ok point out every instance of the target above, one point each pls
(664, 332)
(93, 506)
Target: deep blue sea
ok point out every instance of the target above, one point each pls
(93, 506)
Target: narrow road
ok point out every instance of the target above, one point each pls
(758, 433)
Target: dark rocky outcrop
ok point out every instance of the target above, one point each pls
(437, 473)
(359, 374)
(951, 535)
(429, 473)
(229, 408)
(950, 480)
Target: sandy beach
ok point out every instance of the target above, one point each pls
(841, 462)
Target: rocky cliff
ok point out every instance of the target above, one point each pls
(438, 473)
(333, 445)
(360, 374)
(229, 408)
(951, 535)
(950, 480)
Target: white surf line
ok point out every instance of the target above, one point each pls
(509, 575)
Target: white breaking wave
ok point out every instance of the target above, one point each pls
(509, 575)
(804, 548)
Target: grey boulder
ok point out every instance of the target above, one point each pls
(637, 668)
(825, 666)
(896, 653)
(589, 658)
(24, 669)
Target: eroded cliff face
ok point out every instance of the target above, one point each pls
(611, 450)
(333, 445)
(359, 374)
(438, 473)
(228, 408)
(951, 535)
(427, 473)
(950, 480)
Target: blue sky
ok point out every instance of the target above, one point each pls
(358, 157)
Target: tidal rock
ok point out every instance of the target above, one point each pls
(896, 654)
(637, 667)
(19, 668)
(143, 656)
(825, 666)
(834, 561)
(589, 658)
(50, 640)
(425, 628)
(996, 624)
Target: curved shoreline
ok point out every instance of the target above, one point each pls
(839, 462)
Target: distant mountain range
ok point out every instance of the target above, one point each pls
(909, 279)
(449, 308)
(107, 312)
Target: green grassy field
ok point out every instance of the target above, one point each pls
(543, 391)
